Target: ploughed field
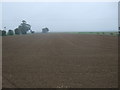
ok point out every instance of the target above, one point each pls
(60, 61)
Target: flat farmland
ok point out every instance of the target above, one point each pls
(60, 60)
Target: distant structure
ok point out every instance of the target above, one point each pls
(45, 30)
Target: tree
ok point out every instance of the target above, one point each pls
(111, 33)
(17, 31)
(3, 33)
(0, 32)
(119, 31)
(32, 31)
(10, 32)
(98, 33)
(45, 30)
(24, 27)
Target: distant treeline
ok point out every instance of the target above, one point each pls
(97, 33)
(12, 32)
(23, 28)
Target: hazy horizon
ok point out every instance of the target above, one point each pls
(62, 16)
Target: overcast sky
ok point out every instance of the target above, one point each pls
(62, 16)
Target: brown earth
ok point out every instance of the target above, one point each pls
(60, 61)
(0, 62)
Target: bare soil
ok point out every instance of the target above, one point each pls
(60, 61)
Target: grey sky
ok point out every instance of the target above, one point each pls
(119, 14)
(61, 16)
